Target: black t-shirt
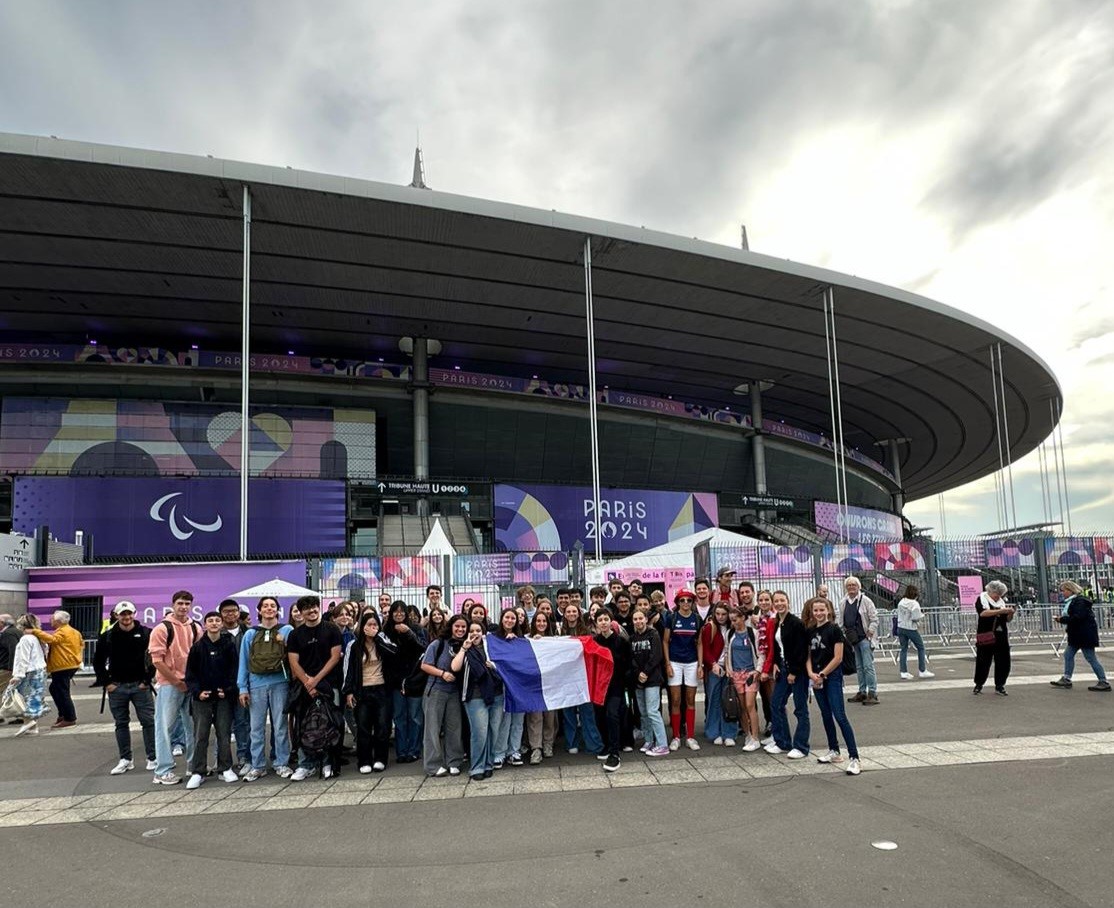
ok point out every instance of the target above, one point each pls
(313, 646)
(822, 642)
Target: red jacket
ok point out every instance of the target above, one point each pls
(711, 639)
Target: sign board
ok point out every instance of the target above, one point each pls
(763, 502)
(17, 554)
(552, 517)
(969, 589)
(863, 524)
(423, 488)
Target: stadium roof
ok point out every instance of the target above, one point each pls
(144, 247)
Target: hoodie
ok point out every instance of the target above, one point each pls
(211, 666)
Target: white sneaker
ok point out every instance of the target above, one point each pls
(122, 767)
(27, 728)
(796, 754)
(718, 741)
(299, 775)
(832, 756)
(769, 739)
(772, 748)
(378, 767)
(728, 742)
(454, 770)
(253, 775)
(284, 772)
(327, 771)
(177, 750)
(366, 770)
(906, 676)
(926, 674)
(574, 750)
(244, 770)
(853, 768)
(675, 744)
(229, 775)
(195, 782)
(167, 778)
(752, 745)
(440, 773)
(152, 765)
(692, 744)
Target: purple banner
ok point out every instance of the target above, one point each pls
(863, 524)
(151, 586)
(170, 517)
(554, 518)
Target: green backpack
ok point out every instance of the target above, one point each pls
(267, 652)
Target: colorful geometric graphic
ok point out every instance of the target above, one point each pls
(1104, 550)
(784, 561)
(898, 556)
(128, 437)
(1020, 552)
(1069, 550)
(958, 554)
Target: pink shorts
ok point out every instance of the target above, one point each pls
(740, 680)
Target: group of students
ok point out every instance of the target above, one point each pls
(290, 692)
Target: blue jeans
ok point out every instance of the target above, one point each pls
(481, 721)
(241, 731)
(649, 708)
(1089, 655)
(906, 637)
(408, 725)
(589, 731)
(170, 704)
(714, 726)
(270, 699)
(778, 720)
(178, 737)
(864, 667)
(833, 711)
(513, 725)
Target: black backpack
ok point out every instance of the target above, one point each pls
(320, 727)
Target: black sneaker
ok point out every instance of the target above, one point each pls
(612, 763)
(977, 691)
(1065, 683)
(1102, 686)
(1001, 692)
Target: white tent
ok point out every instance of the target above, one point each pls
(279, 589)
(438, 541)
(676, 553)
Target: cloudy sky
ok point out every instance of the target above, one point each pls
(963, 150)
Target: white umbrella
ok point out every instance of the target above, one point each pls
(279, 589)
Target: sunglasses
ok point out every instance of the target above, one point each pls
(686, 599)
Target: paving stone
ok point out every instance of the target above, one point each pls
(257, 790)
(622, 779)
(231, 806)
(578, 770)
(536, 786)
(166, 796)
(61, 803)
(336, 798)
(593, 782)
(362, 784)
(681, 777)
(437, 792)
(722, 773)
(488, 789)
(287, 802)
(111, 800)
(383, 795)
(26, 817)
(128, 812)
(184, 808)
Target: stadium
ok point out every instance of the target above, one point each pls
(416, 354)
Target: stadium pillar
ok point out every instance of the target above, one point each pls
(245, 358)
(894, 463)
(420, 384)
(593, 399)
(758, 445)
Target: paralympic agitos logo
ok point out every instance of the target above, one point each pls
(173, 517)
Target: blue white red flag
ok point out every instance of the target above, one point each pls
(551, 672)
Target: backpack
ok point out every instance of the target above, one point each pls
(267, 652)
(319, 729)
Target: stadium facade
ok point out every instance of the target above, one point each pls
(415, 352)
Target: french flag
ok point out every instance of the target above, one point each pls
(550, 673)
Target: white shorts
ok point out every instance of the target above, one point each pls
(683, 673)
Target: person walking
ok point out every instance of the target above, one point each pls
(64, 658)
(992, 637)
(29, 673)
(1077, 615)
(909, 616)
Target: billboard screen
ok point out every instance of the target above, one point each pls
(531, 517)
(169, 517)
(863, 524)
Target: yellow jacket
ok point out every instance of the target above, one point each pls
(67, 648)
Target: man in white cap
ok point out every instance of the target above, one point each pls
(124, 672)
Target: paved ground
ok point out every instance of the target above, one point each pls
(986, 798)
